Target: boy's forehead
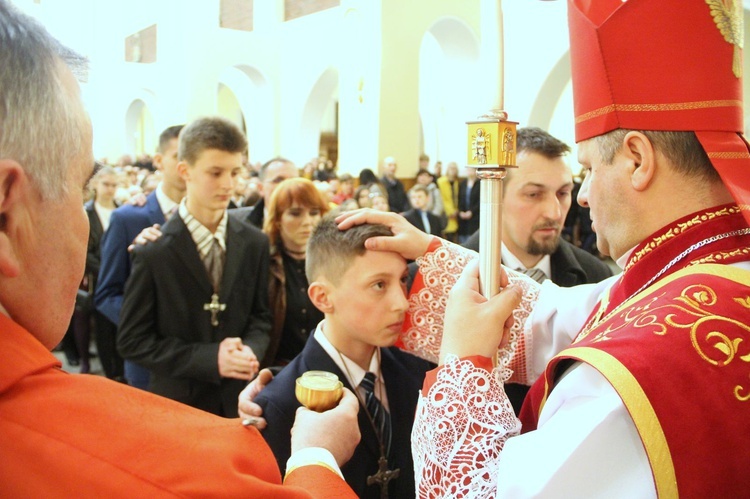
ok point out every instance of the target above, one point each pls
(213, 157)
(372, 263)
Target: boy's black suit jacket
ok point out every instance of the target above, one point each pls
(403, 374)
(415, 218)
(164, 327)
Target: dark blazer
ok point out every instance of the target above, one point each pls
(255, 214)
(105, 330)
(93, 254)
(279, 294)
(404, 375)
(125, 224)
(165, 328)
(415, 218)
(570, 266)
(468, 227)
(397, 198)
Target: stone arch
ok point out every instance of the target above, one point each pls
(552, 109)
(323, 95)
(140, 131)
(245, 97)
(448, 57)
(550, 93)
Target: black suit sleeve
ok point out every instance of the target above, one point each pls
(475, 198)
(278, 433)
(437, 224)
(139, 338)
(258, 333)
(93, 258)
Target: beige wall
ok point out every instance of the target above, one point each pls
(365, 54)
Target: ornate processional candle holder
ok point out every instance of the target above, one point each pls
(492, 150)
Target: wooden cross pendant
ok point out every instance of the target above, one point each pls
(215, 307)
(383, 476)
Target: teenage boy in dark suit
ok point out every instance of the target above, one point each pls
(196, 311)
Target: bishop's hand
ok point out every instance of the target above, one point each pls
(407, 240)
(473, 324)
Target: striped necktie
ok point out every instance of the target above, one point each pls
(214, 263)
(537, 274)
(379, 415)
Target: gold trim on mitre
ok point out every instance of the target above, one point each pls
(674, 106)
(642, 412)
(727, 15)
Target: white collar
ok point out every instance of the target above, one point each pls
(347, 365)
(511, 261)
(165, 203)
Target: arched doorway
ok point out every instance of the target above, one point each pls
(319, 126)
(229, 107)
(243, 95)
(447, 59)
(140, 136)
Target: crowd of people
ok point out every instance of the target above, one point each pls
(431, 205)
(569, 382)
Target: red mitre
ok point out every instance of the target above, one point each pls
(664, 65)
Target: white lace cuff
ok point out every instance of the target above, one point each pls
(460, 428)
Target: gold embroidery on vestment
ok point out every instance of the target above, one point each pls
(658, 240)
(719, 256)
(718, 340)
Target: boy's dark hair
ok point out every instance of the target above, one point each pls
(168, 134)
(330, 251)
(210, 133)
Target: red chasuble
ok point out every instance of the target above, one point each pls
(673, 339)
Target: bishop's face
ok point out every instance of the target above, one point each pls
(605, 190)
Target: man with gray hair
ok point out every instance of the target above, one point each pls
(87, 435)
(397, 198)
(271, 174)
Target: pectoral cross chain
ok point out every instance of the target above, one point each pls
(383, 476)
(215, 307)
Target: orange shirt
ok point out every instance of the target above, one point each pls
(66, 435)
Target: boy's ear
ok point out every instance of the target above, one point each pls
(319, 293)
(156, 160)
(13, 181)
(183, 169)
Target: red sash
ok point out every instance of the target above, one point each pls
(682, 332)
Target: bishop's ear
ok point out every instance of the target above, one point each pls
(13, 182)
(640, 152)
(319, 293)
